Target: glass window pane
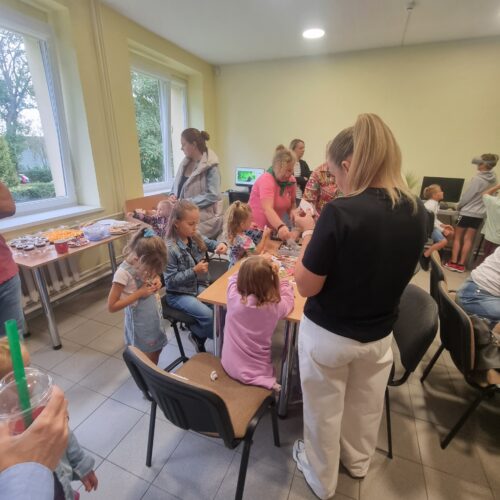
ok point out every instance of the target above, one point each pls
(30, 159)
(146, 92)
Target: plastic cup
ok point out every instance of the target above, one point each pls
(61, 246)
(40, 389)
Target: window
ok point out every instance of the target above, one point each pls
(160, 110)
(34, 160)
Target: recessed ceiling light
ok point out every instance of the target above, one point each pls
(313, 33)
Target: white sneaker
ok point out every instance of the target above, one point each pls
(298, 453)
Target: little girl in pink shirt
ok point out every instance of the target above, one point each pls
(256, 301)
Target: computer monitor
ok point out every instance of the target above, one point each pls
(451, 187)
(246, 176)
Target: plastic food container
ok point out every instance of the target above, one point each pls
(96, 232)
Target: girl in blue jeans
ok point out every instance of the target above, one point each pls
(186, 275)
(480, 294)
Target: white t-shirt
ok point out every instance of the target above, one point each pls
(487, 275)
(296, 173)
(433, 206)
(123, 277)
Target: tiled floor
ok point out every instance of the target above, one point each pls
(110, 419)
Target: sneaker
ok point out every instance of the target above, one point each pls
(298, 453)
(198, 342)
(424, 262)
(459, 268)
(450, 265)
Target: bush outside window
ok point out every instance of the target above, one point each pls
(160, 108)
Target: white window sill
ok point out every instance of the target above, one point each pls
(26, 221)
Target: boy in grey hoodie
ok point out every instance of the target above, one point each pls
(471, 211)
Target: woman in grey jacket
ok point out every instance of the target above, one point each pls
(471, 211)
(198, 180)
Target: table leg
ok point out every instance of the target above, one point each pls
(286, 367)
(218, 330)
(112, 256)
(47, 307)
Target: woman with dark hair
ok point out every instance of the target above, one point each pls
(198, 180)
(354, 266)
(301, 170)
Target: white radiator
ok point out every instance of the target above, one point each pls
(60, 276)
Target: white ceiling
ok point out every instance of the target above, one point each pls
(232, 31)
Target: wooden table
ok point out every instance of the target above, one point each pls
(36, 261)
(216, 294)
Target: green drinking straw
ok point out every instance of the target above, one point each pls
(18, 368)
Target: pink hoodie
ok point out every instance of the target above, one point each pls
(246, 352)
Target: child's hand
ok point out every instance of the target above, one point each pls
(276, 387)
(201, 267)
(146, 290)
(266, 233)
(172, 197)
(156, 283)
(221, 248)
(90, 481)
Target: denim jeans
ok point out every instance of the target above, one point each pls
(204, 326)
(11, 304)
(474, 300)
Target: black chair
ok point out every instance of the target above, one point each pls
(176, 317)
(436, 275)
(242, 196)
(457, 327)
(413, 332)
(192, 400)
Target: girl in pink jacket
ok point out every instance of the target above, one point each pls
(256, 301)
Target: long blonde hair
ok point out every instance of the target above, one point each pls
(376, 161)
(177, 215)
(237, 213)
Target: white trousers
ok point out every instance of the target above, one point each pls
(343, 383)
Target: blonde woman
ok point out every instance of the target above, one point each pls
(273, 194)
(353, 268)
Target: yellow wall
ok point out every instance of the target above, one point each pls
(442, 101)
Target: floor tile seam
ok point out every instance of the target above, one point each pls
(487, 486)
(155, 486)
(106, 459)
(91, 319)
(89, 415)
(227, 472)
(171, 453)
(484, 470)
(125, 404)
(82, 347)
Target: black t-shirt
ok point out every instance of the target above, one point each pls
(368, 252)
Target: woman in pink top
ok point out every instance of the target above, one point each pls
(256, 301)
(273, 194)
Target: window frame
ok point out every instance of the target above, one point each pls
(166, 81)
(45, 36)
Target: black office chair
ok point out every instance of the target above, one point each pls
(413, 332)
(242, 196)
(176, 317)
(459, 332)
(192, 400)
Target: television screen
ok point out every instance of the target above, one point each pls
(452, 188)
(247, 176)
